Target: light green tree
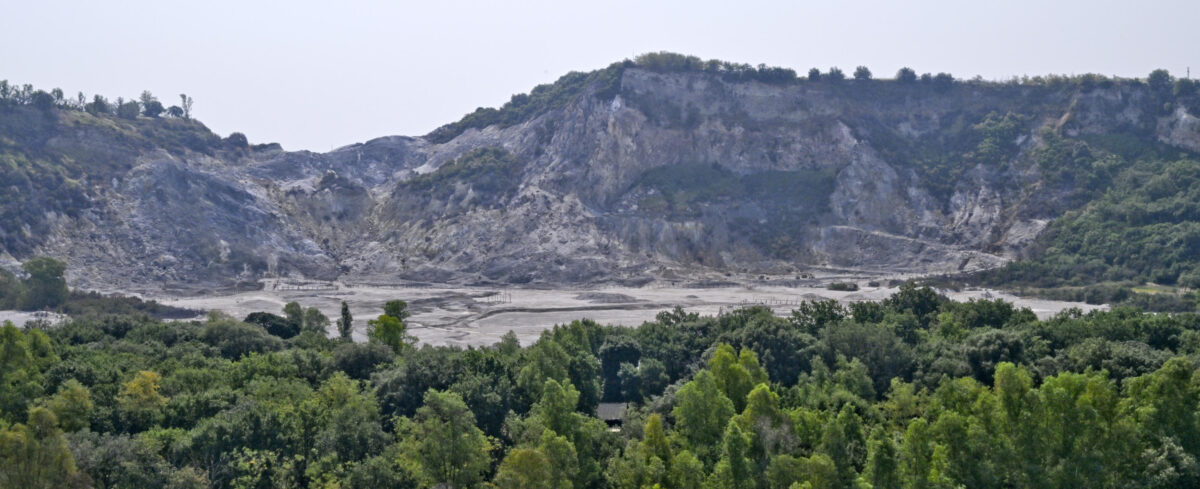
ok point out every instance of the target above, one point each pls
(294, 313)
(34, 455)
(736, 373)
(734, 470)
(845, 443)
(140, 400)
(883, 468)
(72, 405)
(315, 321)
(387, 330)
(701, 413)
(445, 444)
(524, 468)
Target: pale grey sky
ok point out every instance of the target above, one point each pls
(319, 74)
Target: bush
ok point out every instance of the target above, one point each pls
(81, 303)
(359, 361)
(237, 140)
(274, 324)
(153, 109)
(235, 339)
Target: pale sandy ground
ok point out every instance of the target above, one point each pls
(19, 318)
(480, 316)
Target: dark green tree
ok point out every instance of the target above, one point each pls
(652, 378)
(12, 290)
(1184, 87)
(617, 350)
(128, 110)
(345, 323)
(99, 106)
(151, 107)
(45, 287)
(43, 101)
(943, 82)
(274, 324)
(1160, 82)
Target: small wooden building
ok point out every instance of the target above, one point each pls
(610, 413)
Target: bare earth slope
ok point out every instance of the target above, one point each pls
(625, 175)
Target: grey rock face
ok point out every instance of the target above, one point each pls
(677, 174)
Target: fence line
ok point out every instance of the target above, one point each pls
(497, 298)
(281, 286)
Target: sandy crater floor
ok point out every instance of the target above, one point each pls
(480, 316)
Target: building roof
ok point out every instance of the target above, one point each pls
(610, 411)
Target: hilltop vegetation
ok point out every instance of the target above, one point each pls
(916, 391)
(57, 154)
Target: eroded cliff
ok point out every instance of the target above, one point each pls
(628, 174)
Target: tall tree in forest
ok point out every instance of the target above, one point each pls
(445, 444)
(345, 323)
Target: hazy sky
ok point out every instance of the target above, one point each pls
(319, 74)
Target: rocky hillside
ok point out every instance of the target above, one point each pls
(663, 168)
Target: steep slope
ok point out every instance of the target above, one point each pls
(644, 170)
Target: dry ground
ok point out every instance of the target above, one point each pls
(480, 316)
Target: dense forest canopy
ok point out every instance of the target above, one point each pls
(914, 391)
